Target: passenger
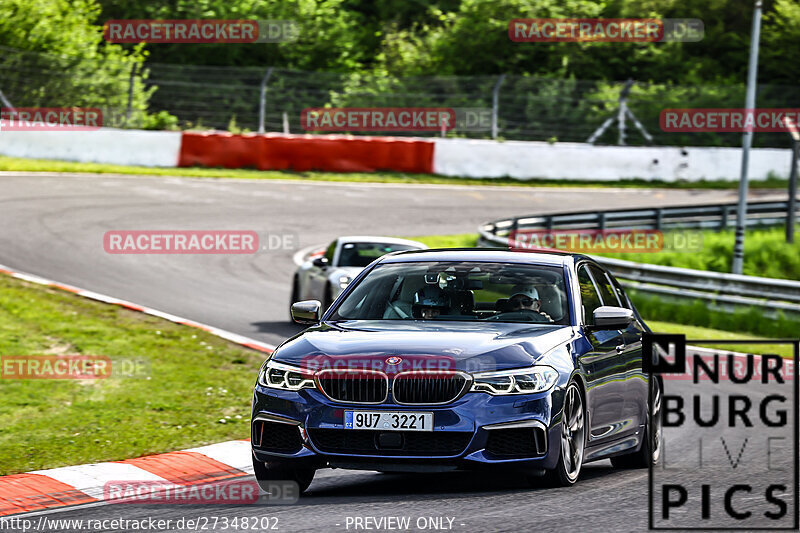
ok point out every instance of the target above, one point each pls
(430, 302)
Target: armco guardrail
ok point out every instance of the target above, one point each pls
(726, 291)
(712, 216)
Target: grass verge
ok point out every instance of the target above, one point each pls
(46, 165)
(698, 333)
(194, 383)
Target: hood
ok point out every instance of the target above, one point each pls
(348, 271)
(468, 346)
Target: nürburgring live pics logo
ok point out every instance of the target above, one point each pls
(729, 456)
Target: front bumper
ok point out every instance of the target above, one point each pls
(307, 428)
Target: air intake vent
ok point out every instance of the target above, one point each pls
(428, 388)
(276, 437)
(369, 442)
(517, 442)
(354, 386)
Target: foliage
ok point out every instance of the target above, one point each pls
(750, 320)
(767, 254)
(53, 56)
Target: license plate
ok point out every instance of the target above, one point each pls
(388, 420)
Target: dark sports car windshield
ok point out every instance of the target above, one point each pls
(466, 291)
(361, 254)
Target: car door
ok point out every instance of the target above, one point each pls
(636, 392)
(602, 366)
(318, 275)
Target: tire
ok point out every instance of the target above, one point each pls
(295, 296)
(649, 452)
(276, 471)
(572, 441)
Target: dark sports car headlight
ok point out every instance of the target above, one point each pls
(517, 381)
(285, 377)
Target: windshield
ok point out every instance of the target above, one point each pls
(466, 291)
(361, 254)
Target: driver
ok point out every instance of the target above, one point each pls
(430, 302)
(524, 298)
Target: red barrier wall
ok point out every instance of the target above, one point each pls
(335, 153)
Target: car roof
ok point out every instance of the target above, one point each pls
(494, 255)
(381, 240)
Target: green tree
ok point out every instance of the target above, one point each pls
(53, 56)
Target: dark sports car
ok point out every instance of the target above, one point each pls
(459, 359)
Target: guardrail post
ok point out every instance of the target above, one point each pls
(548, 222)
(659, 213)
(601, 220)
(512, 233)
(723, 220)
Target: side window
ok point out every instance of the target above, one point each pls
(607, 292)
(589, 297)
(330, 251)
(623, 298)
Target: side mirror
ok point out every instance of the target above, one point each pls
(320, 261)
(610, 317)
(306, 312)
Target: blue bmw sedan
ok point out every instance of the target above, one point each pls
(440, 360)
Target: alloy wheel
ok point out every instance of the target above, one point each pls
(573, 433)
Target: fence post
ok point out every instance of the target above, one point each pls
(495, 104)
(790, 219)
(262, 104)
(5, 102)
(129, 111)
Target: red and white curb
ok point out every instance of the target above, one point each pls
(83, 484)
(41, 490)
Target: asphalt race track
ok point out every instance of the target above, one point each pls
(53, 226)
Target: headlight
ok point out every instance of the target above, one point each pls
(286, 377)
(344, 281)
(518, 381)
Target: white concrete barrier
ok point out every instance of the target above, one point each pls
(451, 157)
(528, 160)
(106, 145)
